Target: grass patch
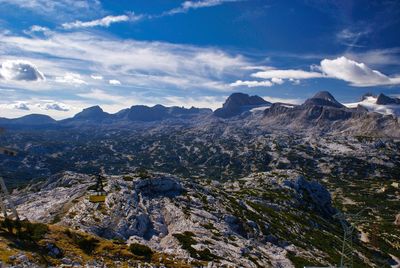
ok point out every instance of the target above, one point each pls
(141, 250)
(187, 240)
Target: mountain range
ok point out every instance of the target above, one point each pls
(252, 184)
(375, 115)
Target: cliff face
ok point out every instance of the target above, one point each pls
(237, 103)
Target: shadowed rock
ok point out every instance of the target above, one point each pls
(238, 103)
(385, 100)
(323, 98)
(159, 186)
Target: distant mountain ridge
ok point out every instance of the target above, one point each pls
(136, 113)
(385, 100)
(381, 104)
(320, 112)
(158, 112)
(238, 103)
(324, 114)
(29, 120)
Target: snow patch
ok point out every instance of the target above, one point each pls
(370, 104)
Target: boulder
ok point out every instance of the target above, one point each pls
(313, 194)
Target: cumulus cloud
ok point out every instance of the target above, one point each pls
(71, 78)
(114, 82)
(357, 74)
(20, 106)
(54, 105)
(103, 22)
(38, 105)
(342, 68)
(276, 80)
(20, 70)
(264, 83)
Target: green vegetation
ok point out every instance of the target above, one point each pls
(141, 250)
(85, 243)
(143, 173)
(300, 262)
(25, 229)
(187, 240)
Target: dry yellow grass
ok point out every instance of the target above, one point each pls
(112, 253)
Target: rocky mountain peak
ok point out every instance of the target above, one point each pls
(240, 99)
(367, 95)
(324, 98)
(91, 113)
(385, 100)
(238, 103)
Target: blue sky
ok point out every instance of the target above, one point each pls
(60, 56)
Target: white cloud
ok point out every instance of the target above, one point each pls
(20, 70)
(188, 5)
(370, 104)
(211, 102)
(37, 29)
(286, 74)
(53, 105)
(96, 77)
(20, 106)
(104, 22)
(150, 65)
(113, 102)
(376, 57)
(257, 68)
(266, 83)
(114, 82)
(276, 80)
(98, 94)
(71, 78)
(357, 74)
(53, 108)
(351, 37)
(62, 8)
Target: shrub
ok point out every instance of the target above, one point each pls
(128, 178)
(88, 245)
(141, 250)
(33, 231)
(143, 173)
(186, 240)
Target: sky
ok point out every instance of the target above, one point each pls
(58, 57)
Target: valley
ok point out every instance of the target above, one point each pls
(256, 189)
